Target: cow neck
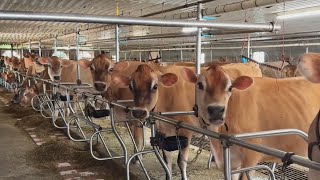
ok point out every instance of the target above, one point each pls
(317, 142)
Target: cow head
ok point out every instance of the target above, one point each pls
(309, 66)
(15, 63)
(29, 59)
(27, 96)
(144, 84)
(54, 65)
(17, 95)
(213, 90)
(101, 67)
(8, 77)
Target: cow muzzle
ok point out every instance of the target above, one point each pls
(216, 114)
(139, 113)
(56, 78)
(99, 86)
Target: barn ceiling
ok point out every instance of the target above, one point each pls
(98, 36)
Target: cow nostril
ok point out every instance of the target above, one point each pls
(56, 77)
(139, 113)
(215, 110)
(99, 86)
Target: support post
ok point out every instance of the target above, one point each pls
(181, 55)
(249, 46)
(211, 55)
(140, 56)
(11, 50)
(40, 47)
(29, 45)
(78, 54)
(307, 49)
(199, 10)
(125, 55)
(117, 43)
(55, 44)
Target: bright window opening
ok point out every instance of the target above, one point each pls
(60, 55)
(202, 58)
(259, 56)
(8, 53)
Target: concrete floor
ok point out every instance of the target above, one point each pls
(14, 143)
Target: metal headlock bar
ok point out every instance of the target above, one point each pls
(227, 140)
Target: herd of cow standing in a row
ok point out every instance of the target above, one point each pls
(235, 94)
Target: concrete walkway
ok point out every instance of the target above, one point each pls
(14, 143)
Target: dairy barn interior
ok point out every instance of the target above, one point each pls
(172, 89)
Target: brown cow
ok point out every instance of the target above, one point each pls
(162, 91)
(34, 89)
(264, 104)
(309, 66)
(101, 69)
(13, 63)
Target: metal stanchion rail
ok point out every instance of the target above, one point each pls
(236, 141)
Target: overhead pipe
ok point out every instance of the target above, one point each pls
(177, 8)
(226, 48)
(231, 7)
(80, 18)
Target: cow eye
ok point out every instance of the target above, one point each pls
(200, 85)
(130, 87)
(230, 89)
(155, 87)
(111, 69)
(61, 66)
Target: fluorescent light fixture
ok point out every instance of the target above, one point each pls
(191, 29)
(299, 14)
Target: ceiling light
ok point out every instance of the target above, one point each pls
(299, 14)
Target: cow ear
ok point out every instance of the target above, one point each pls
(121, 66)
(84, 63)
(169, 79)
(189, 75)
(120, 80)
(309, 67)
(43, 61)
(242, 82)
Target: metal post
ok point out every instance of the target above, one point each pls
(21, 51)
(40, 47)
(211, 55)
(78, 54)
(199, 40)
(140, 56)
(227, 162)
(181, 58)
(125, 55)
(29, 45)
(249, 46)
(307, 49)
(55, 44)
(117, 43)
(11, 50)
